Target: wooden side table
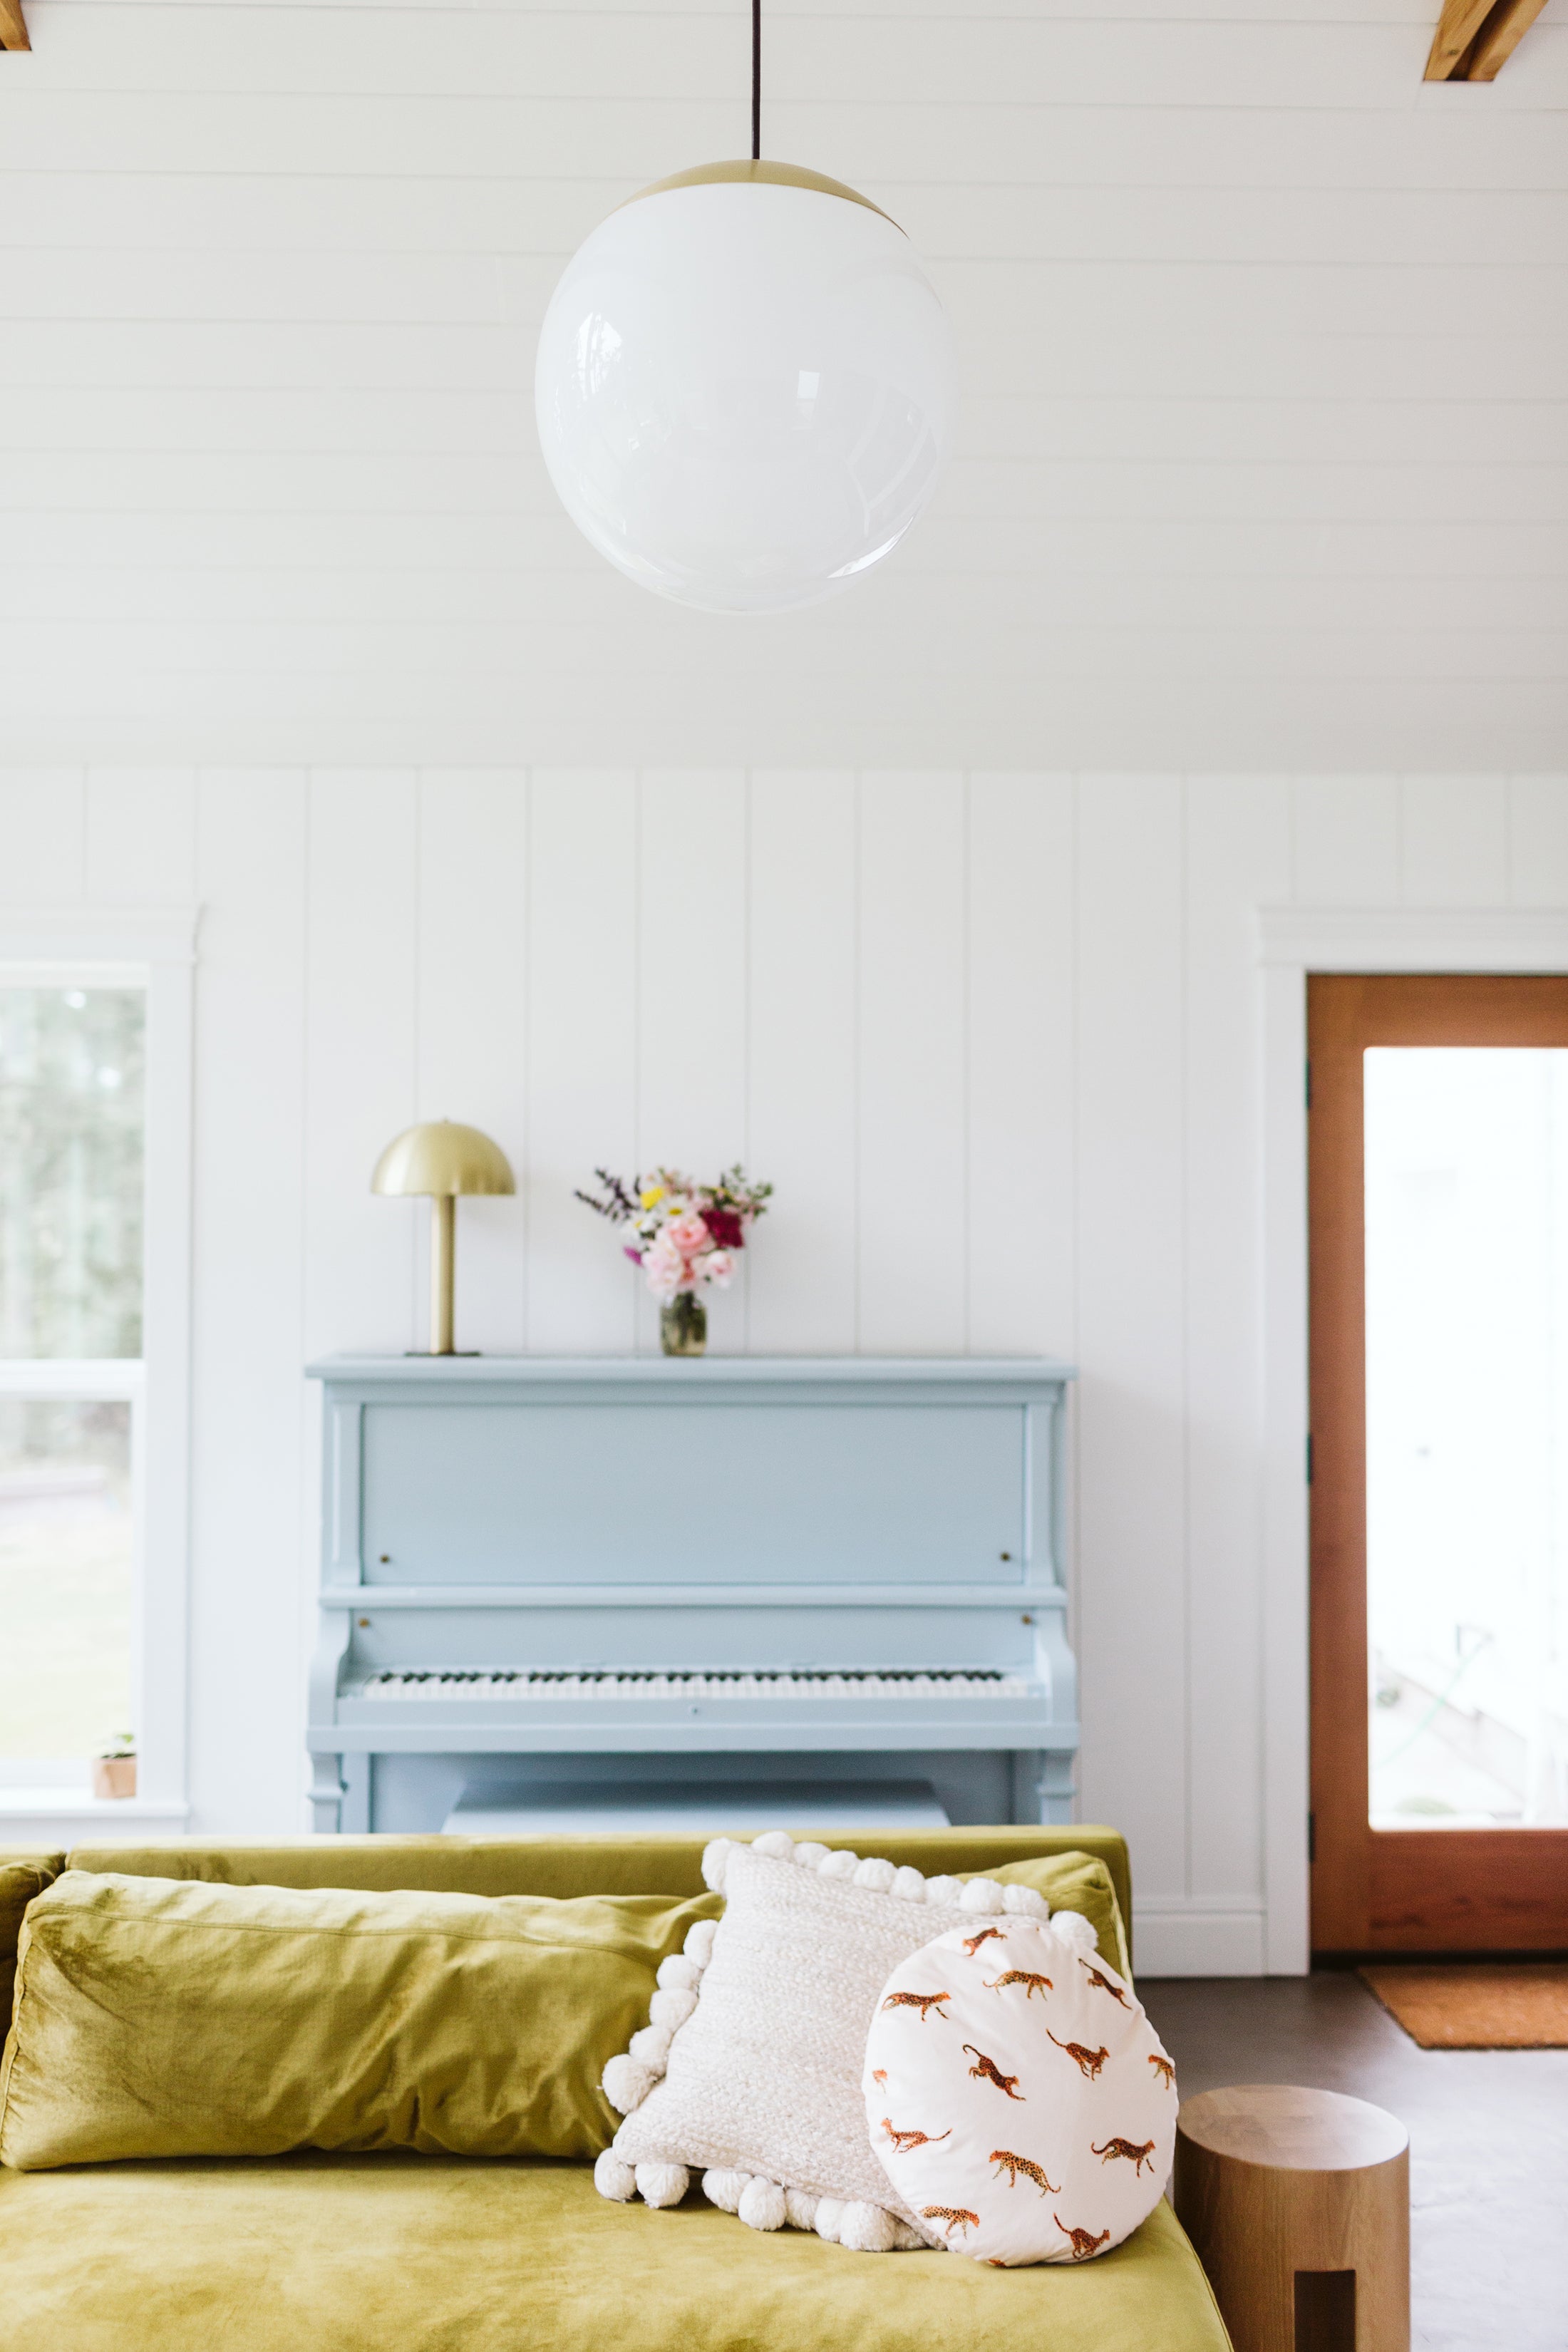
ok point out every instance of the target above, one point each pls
(1299, 2205)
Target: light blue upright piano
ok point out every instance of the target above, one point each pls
(754, 1575)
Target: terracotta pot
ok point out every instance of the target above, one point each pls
(114, 1776)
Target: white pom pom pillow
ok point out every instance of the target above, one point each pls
(750, 2067)
(1017, 2095)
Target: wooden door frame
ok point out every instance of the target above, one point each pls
(1293, 941)
(1409, 1889)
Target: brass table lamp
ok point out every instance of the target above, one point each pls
(442, 1159)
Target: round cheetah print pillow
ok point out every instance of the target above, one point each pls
(1016, 2094)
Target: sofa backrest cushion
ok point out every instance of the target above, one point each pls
(21, 1877)
(1076, 1882)
(166, 2018)
(565, 1866)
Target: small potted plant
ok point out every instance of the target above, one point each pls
(685, 1237)
(114, 1768)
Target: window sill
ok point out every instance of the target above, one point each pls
(69, 1816)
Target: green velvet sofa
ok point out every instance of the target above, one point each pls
(410, 2254)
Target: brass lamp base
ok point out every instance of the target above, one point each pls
(443, 1272)
(441, 1159)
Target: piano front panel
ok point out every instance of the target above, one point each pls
(657, 1492)
(693, 1639)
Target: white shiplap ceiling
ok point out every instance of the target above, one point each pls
(1264, 345)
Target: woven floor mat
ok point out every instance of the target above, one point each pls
(1490, 2005)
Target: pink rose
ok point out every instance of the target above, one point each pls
(718, 1267)
(666, 1271)
(687, 1233)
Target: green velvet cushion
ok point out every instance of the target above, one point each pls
(166, 2018)
(602, 1865)
(1081, 1869)
(403, 2253)
(1074, 1881)
(22, 1875)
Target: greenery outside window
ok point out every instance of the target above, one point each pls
(72, 1191)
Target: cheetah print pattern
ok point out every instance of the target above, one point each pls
(1096, 2156)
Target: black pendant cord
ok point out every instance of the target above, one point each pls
(756, 80)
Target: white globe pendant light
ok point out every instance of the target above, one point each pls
(744, 386)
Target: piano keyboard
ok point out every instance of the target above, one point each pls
(982, 1683)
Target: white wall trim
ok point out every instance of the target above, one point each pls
(1414, 939)
(72, 1376)
(138, 937)
(1198, 1936)
(1292, 942)
(154, 948)
(62, 1818)
(163, 1620)
(1286, 1729)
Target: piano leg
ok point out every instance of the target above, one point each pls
(356, 1814)
(1058, 1785)
(1043, 1787)
(327, 1793)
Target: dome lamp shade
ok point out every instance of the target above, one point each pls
(443, 1157)
(744, 386)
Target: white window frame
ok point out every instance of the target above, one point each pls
(153, 950)
(1293, 943)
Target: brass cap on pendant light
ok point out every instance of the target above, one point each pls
(439, 1159)
(757, 173)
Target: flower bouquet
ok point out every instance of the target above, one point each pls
(685, 1236)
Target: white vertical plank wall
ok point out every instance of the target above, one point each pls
(802, 1061)
(472, 892)
(141, 837)
(994, 1036)
(1345, 840)
(252, 1585)
(1131, 1294)
(691, 995)
(1237, 857)
(584, 1022)
(1453, 841)
(1537, 841)
(1019, 1122)
(912, 924)
(361, 1047)
(43, 835)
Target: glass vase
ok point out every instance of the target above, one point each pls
(683, 1325)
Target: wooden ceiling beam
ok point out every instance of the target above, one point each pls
(1460, 23)
(1499, 37)
(13, 25)
(1475, 38)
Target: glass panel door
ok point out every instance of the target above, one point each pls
(1467, 1436)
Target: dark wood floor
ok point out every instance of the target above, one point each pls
(1489, 2140)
